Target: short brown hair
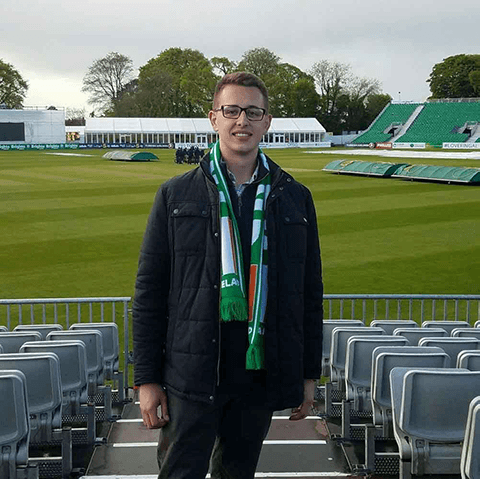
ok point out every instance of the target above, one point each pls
(242, 79)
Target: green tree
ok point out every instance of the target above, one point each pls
(187, 75)
(106, 79)
(452, 78)
(222, 65)
(261, 62)
(13, 88)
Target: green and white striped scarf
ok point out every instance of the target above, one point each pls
(235, 304)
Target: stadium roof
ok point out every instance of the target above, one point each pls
(189, 125)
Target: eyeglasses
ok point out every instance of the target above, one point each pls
(232, 112)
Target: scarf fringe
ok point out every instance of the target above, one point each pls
(234, 309)
(255, 356)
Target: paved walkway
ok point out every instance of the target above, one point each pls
(291, 450)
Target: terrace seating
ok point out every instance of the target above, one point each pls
(328, 326)
(428, 420)
(384, 360)
(12, 341)
(448, 326)
(3, 329)
(43, 329)
(452, 346)
(414, 335)
(465, 333)
(470, 458)
(469, 360)
(14, 427)
(44, 399)
(389, 325)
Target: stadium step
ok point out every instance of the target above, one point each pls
(291, 450)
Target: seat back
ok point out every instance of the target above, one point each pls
(43, 329)
(3, 329)
(44, 390)
(470, 459)
(446, 325)
(338, 348)
(452, 346)
(429, 418)
(389, 325)
(384, 360)
(415, 334)
(12, 341)
(15, 425)
(469, 359)
(94, 348)
(328, 326)
(358, 366)
(465, 333)
(73, 369)
(110, 344)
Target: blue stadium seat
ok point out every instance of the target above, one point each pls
(389, 325)
(470, 459)
(429, 418)
(12, 341)
(465, 333)
(14, 427)
(448, 326)
(3, 329)
(452, 346)
(469, 360)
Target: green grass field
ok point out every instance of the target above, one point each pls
(71, 226)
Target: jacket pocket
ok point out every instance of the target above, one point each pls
(190, 223)
(295, 226)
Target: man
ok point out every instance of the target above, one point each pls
(228, 302)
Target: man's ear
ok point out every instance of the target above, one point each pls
(213, 119)
(268, 122)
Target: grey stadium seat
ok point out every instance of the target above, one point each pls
(470, 459)
(358, 367)
(338, 349)
(94, 347)
(415, 334)
(452, 346)
(73, 370)
(389, 325)
(429, 418)
(3, 329)
(469, 359)
(12, 341)
(465, 332)
(328, 326)
(43, 329)
(447, 325)
(14, 427)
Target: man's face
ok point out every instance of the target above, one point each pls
(239, 137)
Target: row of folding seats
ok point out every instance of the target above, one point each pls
(63, 370)
(470, 459)
(366, 378)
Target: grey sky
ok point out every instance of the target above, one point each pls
(53, 42)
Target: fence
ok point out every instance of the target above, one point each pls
(367, 307)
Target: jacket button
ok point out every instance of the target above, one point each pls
(204, 212)
(211, 398)
(216, 234)
(215, 286)
(289, 180)
(287, 219)
(281, 188)
(214, 340)
(175, 211)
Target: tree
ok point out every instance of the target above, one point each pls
(106, 79)
(455, 77)
(259, 61)
(191, 81)
(222, 65)
(13, 88)
(75, 117)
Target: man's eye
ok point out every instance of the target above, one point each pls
(231, 111)
(254, 113)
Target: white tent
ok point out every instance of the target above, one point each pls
(187, 131)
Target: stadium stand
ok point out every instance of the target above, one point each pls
(465, 332)
(3, 329)
(414, 335)
(389, 325)
(12, 341)
(469, 359)
(44, 400)
(387, 123)
(15, 427)
(470, 458)
(428, 420)
(452, 346)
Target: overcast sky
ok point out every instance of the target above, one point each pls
(53, 42)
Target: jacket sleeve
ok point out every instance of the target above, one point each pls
(150, 304)
(313, 320)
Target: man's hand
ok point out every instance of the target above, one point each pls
(151, 396)
(302, 411)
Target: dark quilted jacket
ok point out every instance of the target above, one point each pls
(175, 309)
